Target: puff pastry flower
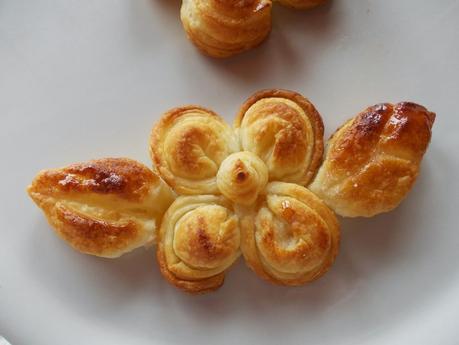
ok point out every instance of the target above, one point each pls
(258, 189)
(243, 191)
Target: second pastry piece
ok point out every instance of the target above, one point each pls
(199, 240)
(187, 147)
(291, 237)
(285, 130)
(221, 28)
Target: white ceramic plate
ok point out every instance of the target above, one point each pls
(87, 79)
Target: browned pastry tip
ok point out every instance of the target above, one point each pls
(291, 237)
(199, 240)
(285, 130)
(103, 207)
(221, 28)
(187, 146)
(373, 160)
(302, 4)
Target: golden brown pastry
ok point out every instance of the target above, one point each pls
(221, 28)
(242, 176)
(373, 160)
(251, 201)
(302, 4)
(285, 130)
(187, 147)
(198, 241)
(105, 207)
(291, 237)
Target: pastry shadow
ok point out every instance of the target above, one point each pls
(172, 6)
(144, 35)
(369, 247)
(279, 54)
(244, 292)
(382, 241)
(70, 276)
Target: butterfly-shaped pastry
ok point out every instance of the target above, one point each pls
(262, 188)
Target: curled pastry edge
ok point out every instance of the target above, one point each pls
(311, 112)
(250, 250)
(192, 286)
(156, 151)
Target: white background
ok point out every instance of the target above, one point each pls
(87, 79)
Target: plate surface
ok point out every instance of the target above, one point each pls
(87, 79)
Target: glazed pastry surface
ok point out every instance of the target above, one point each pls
(104, 207)
(187, 147)
(285, 130)
(261, 188)
(373, 160)
(221, 28)
(291, 237)
(198, 241)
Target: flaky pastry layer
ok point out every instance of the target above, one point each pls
(242, 177)
(105, 207)
(221, 28)
(198, 241)
(285, 130)
(373, 160)
(290, 237)
(187, 147)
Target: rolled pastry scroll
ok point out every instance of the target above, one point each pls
(221, 28)
(198, 241)
(187, 147)
(285, 130)
(291, 237)
(242, 176)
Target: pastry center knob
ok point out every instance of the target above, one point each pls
(241, 177)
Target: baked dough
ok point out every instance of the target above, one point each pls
(372, 161)
(242, 176)
(187, 147)
(302, 4)
(198, 241)
(252, 201)
(285, 130)
(221, 28)
(104, 207)
(291, 237)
